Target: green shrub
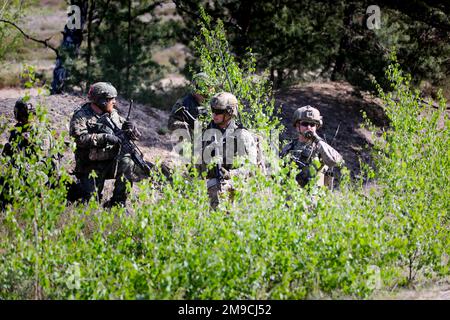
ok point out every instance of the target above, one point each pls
(274, 241)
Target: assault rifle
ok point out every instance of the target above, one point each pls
(218, 173)
(128, 146)
(302, 160)
(188, 117)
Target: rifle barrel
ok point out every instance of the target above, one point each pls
(129, 109)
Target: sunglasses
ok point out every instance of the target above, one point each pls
(307, 124)
(218, 111)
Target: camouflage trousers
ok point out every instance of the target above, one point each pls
(123, 170)
(219, 192)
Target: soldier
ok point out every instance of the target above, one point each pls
(99, 151)
(187, 109)
(231, 143)
(25, 138)
(309, 151)
(20, 134)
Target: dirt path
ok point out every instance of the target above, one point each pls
(432, 291)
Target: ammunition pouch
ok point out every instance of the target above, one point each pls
(303, 160)
(101, 154)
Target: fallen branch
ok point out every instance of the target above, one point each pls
(44, 42)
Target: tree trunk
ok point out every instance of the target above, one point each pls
(128, 51)
(344, 45)
(89, 43)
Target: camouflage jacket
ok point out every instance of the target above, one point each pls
(320, 154)
(19, 136)
(236, 146)
(178, 119)
(32, 139)
(93, 152)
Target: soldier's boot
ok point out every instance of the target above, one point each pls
(119, 197)
(213, 194)
(88, 186)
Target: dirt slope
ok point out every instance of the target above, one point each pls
(60, 109)
(340, 108)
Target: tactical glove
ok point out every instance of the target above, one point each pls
(314, 137)
(131, 130)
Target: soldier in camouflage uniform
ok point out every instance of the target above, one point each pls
(312, 155)
(26, 138)
(99, 151)
(187, 109)
(20, 134)
(228, 141)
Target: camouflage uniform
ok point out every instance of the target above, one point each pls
(95, 153)
(314, 156)
(178, 119)
(26, 135)
(19, 136)
(320, 155)
(232, 158)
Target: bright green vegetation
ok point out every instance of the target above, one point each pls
(275, 241)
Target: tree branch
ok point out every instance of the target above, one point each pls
(44, 42)
(434, 13)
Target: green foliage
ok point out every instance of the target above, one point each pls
(10, 39)
(274, 241)
(119, 48)
(413, 164)
(303, 40)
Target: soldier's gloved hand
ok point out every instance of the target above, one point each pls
(131, 130)
(225, 174)
(128, 125)
(314, 137)
(112, 139)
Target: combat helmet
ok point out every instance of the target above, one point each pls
(225, 101)
(307, 113)
(22, 110)
(100, 92)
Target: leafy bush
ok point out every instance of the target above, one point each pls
(274, 241)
